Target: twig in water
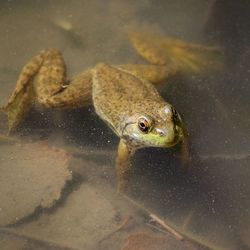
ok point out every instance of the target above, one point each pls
(241, 156)
(124, 223)
(120, 227)
(167, 227)
(157, 228)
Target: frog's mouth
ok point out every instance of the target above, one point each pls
(154, 138)
(169, 141)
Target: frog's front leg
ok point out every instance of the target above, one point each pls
(123, 165)
(43, 80)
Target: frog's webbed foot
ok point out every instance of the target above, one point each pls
(42, 80)
(123, 165)
(180, 55)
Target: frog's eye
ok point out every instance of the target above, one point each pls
(144, 124)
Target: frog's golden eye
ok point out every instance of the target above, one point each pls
(144, 124)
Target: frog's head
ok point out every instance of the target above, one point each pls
(164, 129)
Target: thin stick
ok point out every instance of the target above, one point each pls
(124, 223)
(157, 228)
(119, 228)
(156, 218)
(167, 227)
(240, 156)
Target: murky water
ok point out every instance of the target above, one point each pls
(208, 202)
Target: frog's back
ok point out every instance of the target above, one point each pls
(118, 94)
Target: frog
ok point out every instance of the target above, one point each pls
(123, 96)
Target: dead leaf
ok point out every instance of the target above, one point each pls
(32, 176)
(145, 241)
(86, 217)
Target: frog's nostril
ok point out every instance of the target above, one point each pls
(161, 133)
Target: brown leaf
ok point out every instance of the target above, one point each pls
(145, 241)
(32, 176)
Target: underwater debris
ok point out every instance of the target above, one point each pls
(32, 176)
(145, 241)
(85, 218)
(68, 30)
(167, 227)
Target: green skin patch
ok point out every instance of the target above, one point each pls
(153, 139)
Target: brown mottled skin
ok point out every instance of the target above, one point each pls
(123, 96)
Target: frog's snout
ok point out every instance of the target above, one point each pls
(172, 135)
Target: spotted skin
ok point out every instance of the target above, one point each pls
(50, 84)
(155, 74)
(120, 98)
(43, 81)
(122, 95)
(116, 92)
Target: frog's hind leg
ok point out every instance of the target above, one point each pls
(47, 67)
(51, 78)
(43, 80)
(52, 89)
(76, 93)
(183, 56)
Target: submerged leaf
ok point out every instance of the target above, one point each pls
(85, 218)
(32, 176)
(145, 241)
